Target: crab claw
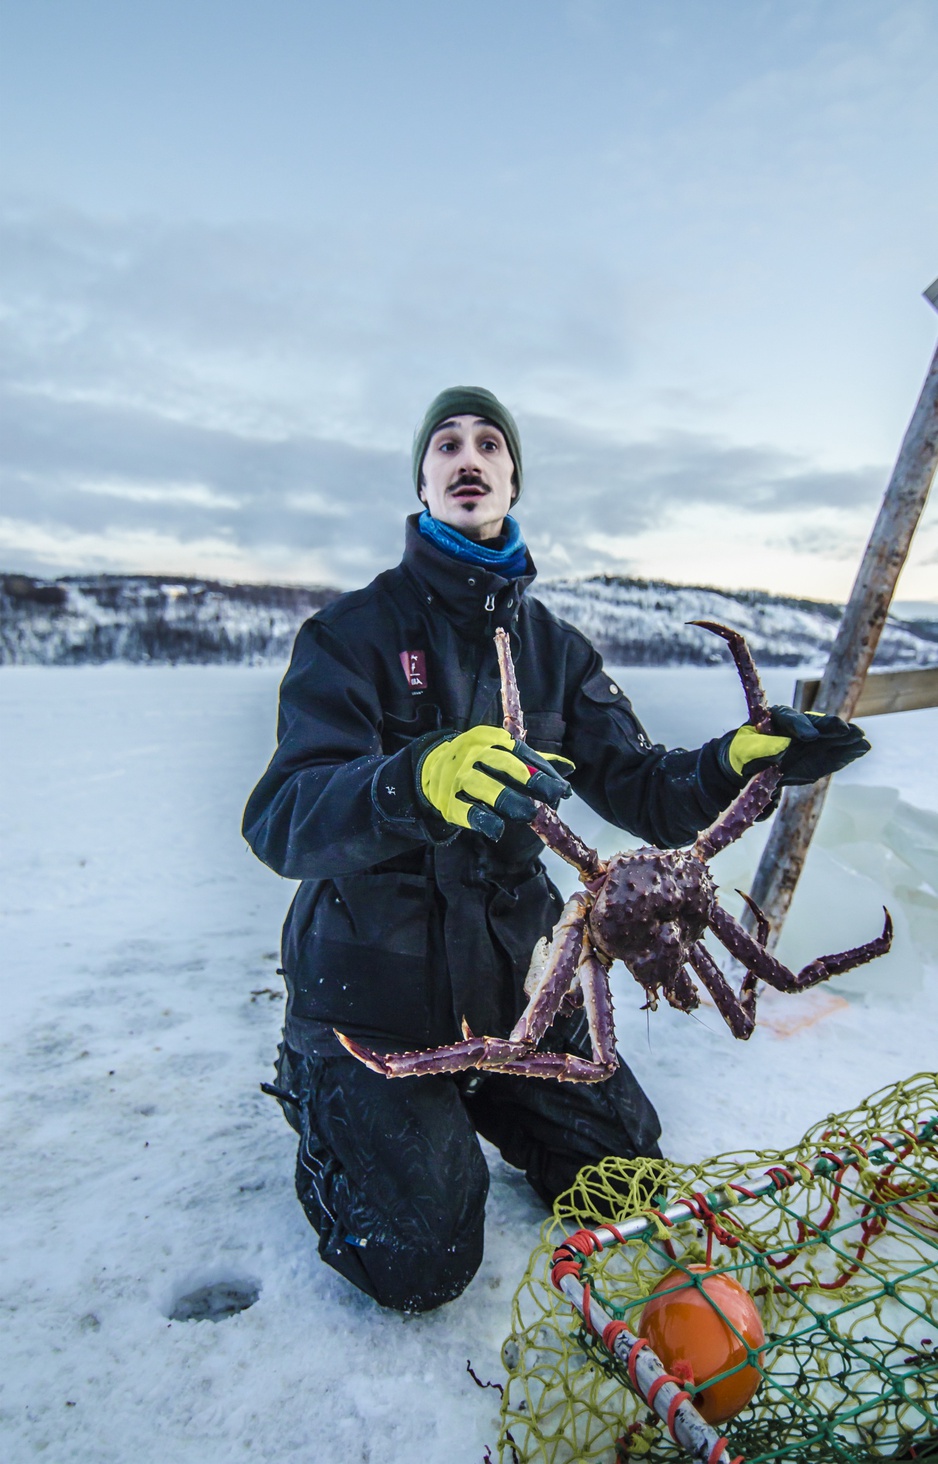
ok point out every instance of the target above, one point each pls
(372, 1060)
(759, 714)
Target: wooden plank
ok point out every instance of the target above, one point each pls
(883, 691)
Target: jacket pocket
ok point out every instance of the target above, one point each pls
(601, 688)
(603, 691)
(545, 731)
(402, 727)
(363, 961)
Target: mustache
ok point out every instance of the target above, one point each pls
(469, 480)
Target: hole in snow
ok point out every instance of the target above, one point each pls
(215, 1302)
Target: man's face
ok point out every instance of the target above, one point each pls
(466, 477)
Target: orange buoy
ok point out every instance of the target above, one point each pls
(681, 1321)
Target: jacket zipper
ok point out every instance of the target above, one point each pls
(490, 610)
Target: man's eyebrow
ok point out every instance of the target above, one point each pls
(479, 422)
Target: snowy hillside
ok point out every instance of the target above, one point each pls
(143, 618)
(93, 619)
(644, 623)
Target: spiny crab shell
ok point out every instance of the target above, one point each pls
(651, 907)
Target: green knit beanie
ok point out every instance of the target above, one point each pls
(473, 401)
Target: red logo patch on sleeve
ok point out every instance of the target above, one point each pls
(415, 669)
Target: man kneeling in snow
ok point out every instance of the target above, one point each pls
(419, 904)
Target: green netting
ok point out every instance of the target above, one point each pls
(842, 1264)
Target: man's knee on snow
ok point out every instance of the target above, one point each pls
(412, 1258)
(418, 1280)
(426, 1253)
(402, 1267)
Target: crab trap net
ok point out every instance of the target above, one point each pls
(836, 1243)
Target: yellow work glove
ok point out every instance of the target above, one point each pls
(749, 746)
(475, 779)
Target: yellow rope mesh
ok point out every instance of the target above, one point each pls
(843, 1267)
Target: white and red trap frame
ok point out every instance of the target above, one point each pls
(664, 1393)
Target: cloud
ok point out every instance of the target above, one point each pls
(79, 469)
(822, 540)
(324, 504)
(146, 481)
(197, 495)
(330, 332)
(55, 549)
(244, 397)
(633, 482)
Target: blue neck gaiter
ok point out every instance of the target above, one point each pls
(510, 560)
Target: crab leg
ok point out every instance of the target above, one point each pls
(545, 823)
(513, 716)
(741, 814)
(749, 985)
(566, 1067)
(766, 968)
(555, 973)
(682, 993)
(738, 1012)
(563, 1067)
(757, 795)
(552, 829)
(597, 1000)
(759, 714)
(473, 1052)
(759, 917)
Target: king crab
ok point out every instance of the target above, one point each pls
(648, 909)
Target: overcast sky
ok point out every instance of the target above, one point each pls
(243, 244)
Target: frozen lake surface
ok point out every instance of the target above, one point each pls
(141, 1009)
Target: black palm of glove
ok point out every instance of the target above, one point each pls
(818, 746)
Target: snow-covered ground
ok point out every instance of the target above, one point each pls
(141, 1009)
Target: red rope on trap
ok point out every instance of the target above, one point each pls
(587, 1319)
(856, 1146)
(680, 1397)
(634, 1350)
(657, 1385)
(673, 1406)
(585, 1241)
(702, 1211)
(564, 1268)
(568, 1257)
(610, 1332)
(780, 1176)
(714, 1456)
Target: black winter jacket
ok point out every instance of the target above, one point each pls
(401, 926)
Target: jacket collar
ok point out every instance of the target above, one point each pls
(473, 597)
